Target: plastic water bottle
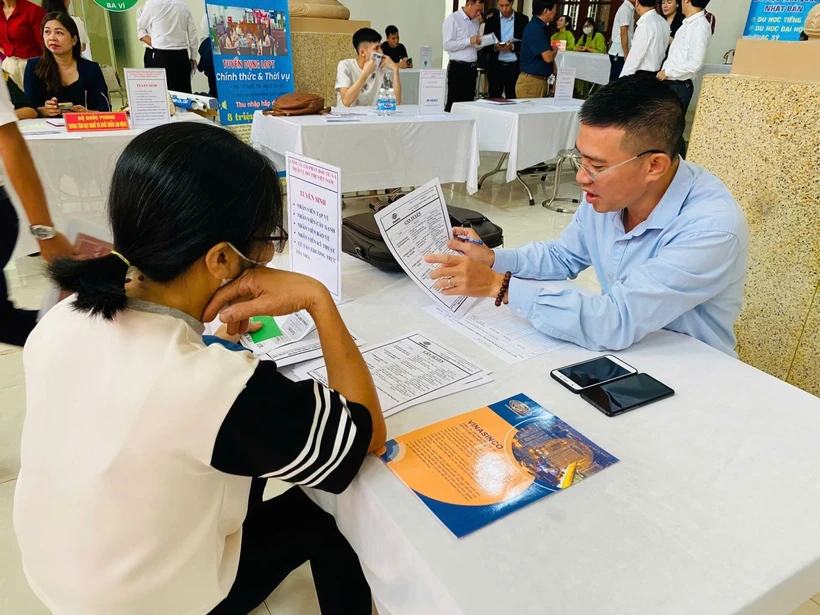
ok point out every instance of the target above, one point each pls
(381, 104)
(391, 102)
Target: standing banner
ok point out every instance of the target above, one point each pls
(252, 58)
(777, 20)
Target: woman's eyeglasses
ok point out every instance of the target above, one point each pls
(277, 240)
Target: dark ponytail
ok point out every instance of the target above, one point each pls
(177, 191)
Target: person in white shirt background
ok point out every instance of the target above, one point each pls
(462, 41)
(649, 42)
(687, 53)
(169, 28)
(622, 29)
(62, 6)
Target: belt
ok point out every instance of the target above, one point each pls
(508, 63)
(469, 64)
(684, 82)
(536, 76)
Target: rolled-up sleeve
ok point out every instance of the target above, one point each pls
(688, 271)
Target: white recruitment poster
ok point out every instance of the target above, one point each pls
(564, 86)
(148, 101)
(432, 91)
(315, 221)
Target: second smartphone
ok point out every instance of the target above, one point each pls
(581, 376)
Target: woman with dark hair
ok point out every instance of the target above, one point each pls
(564, 33)
(672, 11)
(144, 449)
(62, 6)
(591, 40)
(61, 76)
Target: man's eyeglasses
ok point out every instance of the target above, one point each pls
(277, 240)
(577, 158)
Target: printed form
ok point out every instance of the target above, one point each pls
(415, 226)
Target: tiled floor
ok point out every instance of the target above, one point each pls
(506, 205)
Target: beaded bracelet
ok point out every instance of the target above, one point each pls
(504, 286)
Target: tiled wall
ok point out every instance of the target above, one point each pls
(762, 138)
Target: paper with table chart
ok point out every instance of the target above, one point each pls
(415, 226)
(409, 370)
(499, 331)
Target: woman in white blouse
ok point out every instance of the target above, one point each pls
(144, 450)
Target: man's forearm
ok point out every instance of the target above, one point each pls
(23, 175)
(625, 41)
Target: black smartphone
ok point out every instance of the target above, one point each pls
(586, 374)
(614, 398)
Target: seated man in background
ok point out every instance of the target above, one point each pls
(394, 50)
(668, 242)
(358, 80)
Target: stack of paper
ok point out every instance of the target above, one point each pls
(409, 370)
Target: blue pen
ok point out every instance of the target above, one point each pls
(477, 242)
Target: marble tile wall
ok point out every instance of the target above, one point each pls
(761, 137)
(315, 58)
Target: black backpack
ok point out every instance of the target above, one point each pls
(361, 237)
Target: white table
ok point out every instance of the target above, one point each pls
(377, 152)
(529, 132)
(592, 67)
(75, 170)
(711, 510)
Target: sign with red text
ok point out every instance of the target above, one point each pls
(148, 101)
(315, 221)
(94, 122)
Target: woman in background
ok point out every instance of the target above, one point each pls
(20, 38)
(673, 13)
(62, 6)
(143, 449)
(590, 40)
(61, 75)
(564, 32)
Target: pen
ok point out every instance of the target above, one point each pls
(477, 242)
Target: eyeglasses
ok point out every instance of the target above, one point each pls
(577, 158)
(277, 240)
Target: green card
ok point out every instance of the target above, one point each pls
(268, 331)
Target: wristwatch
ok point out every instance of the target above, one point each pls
(43, 232)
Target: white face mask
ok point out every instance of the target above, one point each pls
(588, 30)
(226, 281)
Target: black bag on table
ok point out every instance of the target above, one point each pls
(361, 237)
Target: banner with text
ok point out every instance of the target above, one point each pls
(777, 20)
(252, 57)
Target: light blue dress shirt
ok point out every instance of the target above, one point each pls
(682, 269)
(507, 33)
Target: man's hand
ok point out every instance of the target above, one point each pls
(475, 40)
(193, 65)
(463, 276)
(264, 292)
(403, 63)
(56, 247)
(662, 76)
(369, 68)
(481, 253)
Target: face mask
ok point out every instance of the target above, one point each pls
(588, 30)
(245, 258)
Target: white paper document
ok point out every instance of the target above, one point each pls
(499, 331)
(409, 370)
(564, 87)
(148, 102)
(432, 92)
(488, 39)
(306, 349)
(415, 226)
(293, 327)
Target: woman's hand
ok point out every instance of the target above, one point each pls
(264, 292)
(222, 332)
(78, 109)
(481, 253)
(50, 109)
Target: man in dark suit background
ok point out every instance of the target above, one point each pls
(503, 71)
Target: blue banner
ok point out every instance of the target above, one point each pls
(252, 56)
(777, 20)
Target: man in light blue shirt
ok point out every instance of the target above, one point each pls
(668, 242)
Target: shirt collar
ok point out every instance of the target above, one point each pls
(647, 16)
(464, 15)
(510, 18)
(697, 15)
(668, 208)
(138, 305)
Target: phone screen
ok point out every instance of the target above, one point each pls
(627, 393)
(594, 372)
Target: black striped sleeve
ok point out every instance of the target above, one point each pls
(299, 432)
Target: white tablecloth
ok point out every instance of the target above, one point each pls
(378, 152)
(531, 131)
(593, 67)
(75, 172)
(711, 510)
